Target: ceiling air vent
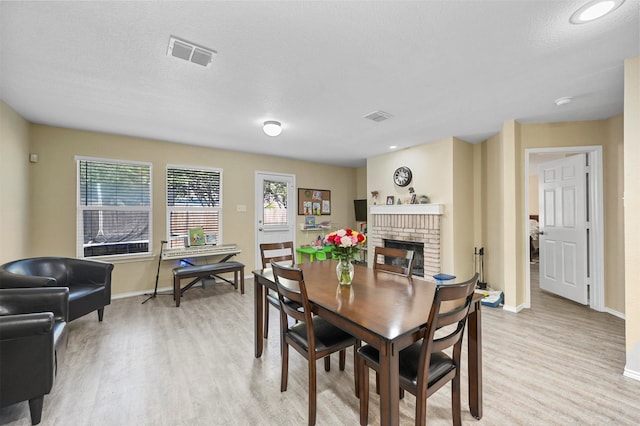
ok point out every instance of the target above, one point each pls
(378, 116)
(190, 52)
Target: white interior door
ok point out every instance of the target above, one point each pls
(563, 228)
(275, 210)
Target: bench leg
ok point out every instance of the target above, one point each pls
(241, 272)
(176, 291)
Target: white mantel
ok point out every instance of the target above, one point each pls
(407, 209)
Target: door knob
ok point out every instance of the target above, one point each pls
(259, 229)
(540, 232)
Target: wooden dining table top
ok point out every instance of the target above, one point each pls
(387, 305)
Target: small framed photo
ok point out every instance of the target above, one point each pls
(413, 199)
(390, 200)
(326, 207)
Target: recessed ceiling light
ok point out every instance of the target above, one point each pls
(272, 128)
(563, 101)
(393, 147)
(593, 10)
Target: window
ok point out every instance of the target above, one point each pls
(274, 209)
(114, 207)
(194, 200)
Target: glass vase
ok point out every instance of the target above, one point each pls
(344, 271)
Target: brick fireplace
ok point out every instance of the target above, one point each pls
(410, 222)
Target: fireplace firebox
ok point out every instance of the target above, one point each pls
(418, 253)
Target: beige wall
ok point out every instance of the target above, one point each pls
(533, 194)
(361, 184)
(463, 208)
(492, 212)
(14, 184)
(631, 214)
(53, 192)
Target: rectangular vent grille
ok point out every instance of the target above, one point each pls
(378, 116)
(190, 52)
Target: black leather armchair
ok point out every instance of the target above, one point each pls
(89, 281)
(33, 339)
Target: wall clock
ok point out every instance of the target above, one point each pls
(402, 176)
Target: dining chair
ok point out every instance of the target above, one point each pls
(282, 253)
(311, 335)
(424, 367)
(394, 260)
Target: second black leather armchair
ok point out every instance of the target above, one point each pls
(33, 339)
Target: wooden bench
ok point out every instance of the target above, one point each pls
(203, 271)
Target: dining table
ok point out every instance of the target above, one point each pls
(387, 311)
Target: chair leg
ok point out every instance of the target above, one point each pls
(421, 406)
(312, 390)
(363, 372)
(35, 407)
(343, 359)
(100, 314)
(356, 368)
(456, 406)
(327, 363)
(265, 322)
(285, 368)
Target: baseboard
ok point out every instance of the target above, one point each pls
(635, 375)
(615, 313)
(160, 290)
(513, 309)
(140, 293)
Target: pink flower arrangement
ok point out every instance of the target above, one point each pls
(345, 242)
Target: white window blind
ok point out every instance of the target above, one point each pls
(114, 207)
(194, 200)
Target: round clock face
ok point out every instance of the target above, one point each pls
(402, 176)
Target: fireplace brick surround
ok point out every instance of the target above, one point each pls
(414, 223)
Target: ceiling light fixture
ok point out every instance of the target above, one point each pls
(272, 128)
(563, 101)
(593, 10)
(190, 52)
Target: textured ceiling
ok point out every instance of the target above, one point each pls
(441, 68)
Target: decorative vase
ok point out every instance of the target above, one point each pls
(344, 271)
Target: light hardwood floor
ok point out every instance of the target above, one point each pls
(556, 364)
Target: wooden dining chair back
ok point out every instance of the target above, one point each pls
(394, 260)
(425, 367)
(282, 253)
(312, 336)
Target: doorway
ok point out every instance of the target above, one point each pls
(275, 210)
(595, 244)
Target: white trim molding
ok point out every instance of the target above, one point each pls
(407, 209)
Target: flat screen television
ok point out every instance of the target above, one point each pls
(361, 210)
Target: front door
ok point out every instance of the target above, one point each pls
(275, 210)
(563, 228)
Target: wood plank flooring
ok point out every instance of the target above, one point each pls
(558, 363)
